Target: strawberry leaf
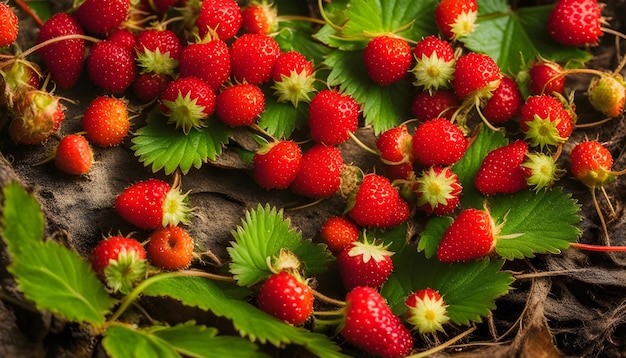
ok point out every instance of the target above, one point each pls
(395, 237)
(432, 234)
(263, 234)
(296, 36)
(22, 220)
(162, 146)
(281, 119)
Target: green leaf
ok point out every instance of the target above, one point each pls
(162, 146)
(432, 234)
(281, 119)
(470, 289)
(296, 36)
(22, 220)
(123, 342)
(248, 320)
(395, 237)
(264, 233)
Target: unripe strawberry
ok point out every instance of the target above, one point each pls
(38, 114)
(607, 94)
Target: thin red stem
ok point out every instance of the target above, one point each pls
(29, 11)
(598, 248)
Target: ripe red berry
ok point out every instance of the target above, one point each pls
(456, 18)
(429, 105)
(293, 78)
(259, 18)
(438, 190)
(501, 171)
(106, 121)
(591, 163)
(476, 75)
(240, 104)
(545, 78)
(8, 25)
(252, 57)
(576, 22)
(276, 164)
(102, 16)
(208, 61)
(438, 142)
(157, 51)
(120, 261)
(150, 86)
(387, 59)
(73, 155)
(505, 103)
(188, 102)
(319, 175)
(471, 236)
(111, 66)
(364, 264)
(286, 297)
(377, 203)
(123, 37)
(338, 232)
(395, 145)
(170, 248)
(545, 121)
(223, 17)
(332, 117)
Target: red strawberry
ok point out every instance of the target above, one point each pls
(591, 163)
(338, 233)
(276, 164)
(387, 59)
(259, 18)
(240, 104)
(377, 203)
(364, 264)
(427, 311)
(207, 60)
(541, 170)
(438, 142)
(501, 171)
(456, 18)
(252, 57)
(293, 78)
(170, 248)
(286, 297)
(8, 25)
(64, 59)
(607, 94)
(576, 22)
(111, 66)
(370, 325)
(188, 102)
(395, 145)
(150, 86)
(123, 37)
(476, 76)
(221, 16)
(471, 236)
(152, 204)
(435, 63)
(545, 121)
(545, 77)
(120, 261)
(157, 51)
(73, 155)
(319, 175)
(102, 16)
(505, 103)
(106, 121)
(38, 115)
(332, 117)
(438, 190)
(429, 105)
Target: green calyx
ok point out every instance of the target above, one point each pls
(123, 273)
(543, 132)
(294, 88)
(433, 72)
(607, 95)
(542, 170)
(185, 112)
(156, 62)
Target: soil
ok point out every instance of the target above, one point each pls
(568, 304)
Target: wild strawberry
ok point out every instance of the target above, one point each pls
(188, 102)
(16, 79)
(545, 121)
(152, 204)
(364, 264)
(427, 311)
(207, 60)
(102, 16)
(428, 105)
(222, 16)
(591, 163)
(150, 86)
(438, 142)
(476, 76)
(8, 25)
(435, 63)
(607, 94)
(319, 175)
(157, 51)
(276, 164)
(338, 232)
(545, 77)
(120, 261)
(106, 121)
(471, 236)
(287, 297)
(541, 170)
(252, 57)
(333, 116)
(438, 190)
(387, 59)
(501, 171)
(456, 18)
(111, 66)
(240, 104)
(293, 78)
(64, 59)
(38, 115)
(505, 103)
(123, 37)
(370, 325)
(170, 248)
(73, 155)
(576, 22)
(377, 203)
(259, 18)
(395, 145)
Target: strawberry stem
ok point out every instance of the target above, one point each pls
(326, 19)
(363, 145)
(29, 12)
(597, 248)
(301, 18)
(57, 39)
(607, 239)
(444, 345)
(322, 297)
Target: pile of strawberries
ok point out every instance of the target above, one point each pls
(192, 62)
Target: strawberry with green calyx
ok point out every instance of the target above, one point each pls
(38, 115)
(287, 296)
(576, 22)
(9, 25)
(170, 248)
(427, 311)
(438, 142)
(541, 170)
(252, 58)
(16, 79)
(472, 235)
(276, 164)
(187, 102)
(73, 155)
(364, 264)
(120, 261)
(501, 171)
(546, 77)
(428, 105)
(456, 18)
(106, 121)
(475, 77)
(259, 17)
(333, 117)
(435, 63)
(223, 17)
(545, 121)
(387, 58)
(338, 232)
(320, 172)
(607, 94)
(293, 78)
(438, 190)
(377, 203)
(157, 51)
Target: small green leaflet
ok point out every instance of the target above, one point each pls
(163, 146)
(22, 220)
(281, 119)
(264, 233)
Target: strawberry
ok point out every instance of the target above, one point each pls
(207, 60)
(221, 16)
(576, 22)
(438, 142)
(287, 297)
(438, 190)
(428, 105)
(149, 86)
(607, 94)
(370, 325)
(476, 76)
(259, 18)
(364, 264)
(106, 121)
(64, 59)
(541, 170)
(501, 171)
(545, 77)
(591, 163)
(102, 16)
(545, 121)
(170, 248)
(471, 236)
(435, 63)
(73, 155)
(38, 115)
(377, 203)
(188, 102)
(120, 261)
(395, 145)
(387, 59)
(111, 66)
(293, 78)
(157, 51)
(427, 311)
(333, 116)
(276, 164)
(456, 18)
(123, 37)
(152, 204)
(319, 175)
(16, 79)
(505, 103)
(338, 232)
(252, 57)
(240, 104)
(8, 25)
